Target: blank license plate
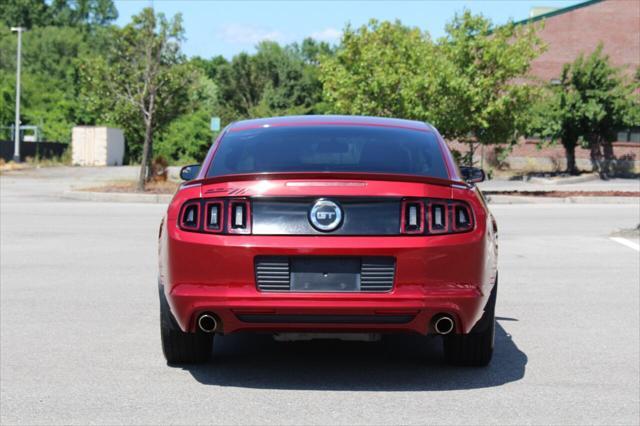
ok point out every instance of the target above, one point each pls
(325, 274)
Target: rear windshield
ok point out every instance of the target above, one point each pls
(329, 149)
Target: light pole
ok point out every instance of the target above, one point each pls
(16, 141)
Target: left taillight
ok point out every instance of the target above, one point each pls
(190, 216)
(214, 216)
(438, 217)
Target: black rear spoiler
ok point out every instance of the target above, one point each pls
(393, 177)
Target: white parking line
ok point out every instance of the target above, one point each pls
(627, 243)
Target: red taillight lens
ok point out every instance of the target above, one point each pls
(462, 218)
(412, 217)
(433, 216)
(190, 216)
(213, 216)
(438, 217)
(239, 217)
(419, 216)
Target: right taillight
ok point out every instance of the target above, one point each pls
(434, 216)
(438, 217)
(412, 217)
(239, 217)
(462, 219)
(213, 216)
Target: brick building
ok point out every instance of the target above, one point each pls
(568, 32)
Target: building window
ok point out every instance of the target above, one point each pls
(629, 135)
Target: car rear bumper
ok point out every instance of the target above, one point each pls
(451, 274)
(396, 311)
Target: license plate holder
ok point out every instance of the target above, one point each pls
(330, 274)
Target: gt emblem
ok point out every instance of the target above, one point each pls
(325, 215)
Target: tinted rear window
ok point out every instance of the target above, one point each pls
(329, 149)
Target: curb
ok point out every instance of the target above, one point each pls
(518, 199)
(117, 197)
(565, 180)
(120, 197)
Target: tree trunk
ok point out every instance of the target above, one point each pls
(150, 159)
(595, 154)
(147, 150)
(607, 149)
(570, 152)
(470, 154)
(144, 166)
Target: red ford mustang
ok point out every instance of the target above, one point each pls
(328, 226)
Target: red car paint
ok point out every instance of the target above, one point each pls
(214, 272)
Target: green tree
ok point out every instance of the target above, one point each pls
(550, 119)
(59, 33)
(466, 84)
(25, 13)
(484, 99)
(376, 71)
(210, 67)
(591, 103)
(85, 13)
(7, 102)
(143, 78)
(311, 50)
(276, 80)
(49, 78)
(188, 137)
(65, 13)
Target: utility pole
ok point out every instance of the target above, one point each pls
(16, 149)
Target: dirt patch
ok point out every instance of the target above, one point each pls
(168, 187)
(628, 233)
(564, 194)
(11, 166)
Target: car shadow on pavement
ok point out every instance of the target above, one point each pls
(397, 363)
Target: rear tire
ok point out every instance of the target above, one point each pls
(180, 347)
(476, 348)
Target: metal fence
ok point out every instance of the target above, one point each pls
(36, 150)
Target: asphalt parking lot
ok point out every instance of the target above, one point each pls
(79, 336)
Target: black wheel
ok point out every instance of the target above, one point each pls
(180, 347)
(476, 348)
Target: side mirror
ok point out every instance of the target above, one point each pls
(189, 172)
(472, 174)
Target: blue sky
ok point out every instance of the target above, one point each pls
(229, 27)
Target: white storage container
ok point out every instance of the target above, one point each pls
(97, 146)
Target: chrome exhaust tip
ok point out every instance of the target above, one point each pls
(207, 323)
(443, 324)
